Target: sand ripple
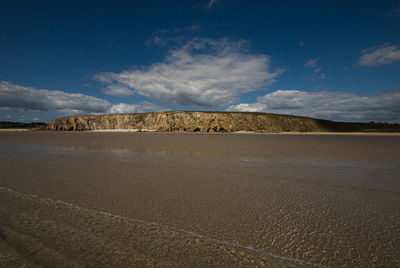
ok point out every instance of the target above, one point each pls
(42, 232)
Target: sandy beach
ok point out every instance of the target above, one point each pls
(171, 199)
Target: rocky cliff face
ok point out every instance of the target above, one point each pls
(191, 122)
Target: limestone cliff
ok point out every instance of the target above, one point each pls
(212, 122)
(191, 122)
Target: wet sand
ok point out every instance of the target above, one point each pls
(145, 198)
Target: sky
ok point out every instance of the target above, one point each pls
(335, 60)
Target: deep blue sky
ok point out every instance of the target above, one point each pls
(259, 49)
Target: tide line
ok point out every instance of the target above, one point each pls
(192, 234)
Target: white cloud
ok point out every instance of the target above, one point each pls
(24, 98)
(249, 107)
(175, 36)
(211, 3)
(156, 40)
(311, 63)
(379, 55)
(203, 72)
(165, 39)
(142, 107)
(118, 90)
(318, 74)
(301, 43)
(328, 105)
(317, 70)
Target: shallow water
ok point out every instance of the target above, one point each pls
(326, 200)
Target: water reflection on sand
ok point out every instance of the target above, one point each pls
(329, 200)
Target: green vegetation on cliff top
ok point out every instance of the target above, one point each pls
(19, 125)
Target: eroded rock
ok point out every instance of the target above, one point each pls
(191, 122)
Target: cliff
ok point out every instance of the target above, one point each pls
(207, 122)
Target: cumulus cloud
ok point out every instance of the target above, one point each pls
(379, 55)
(118, 90)
(328, 105)
(202, 72)
(249, 107)
(311, 63)
(24, 98)
(142, 107)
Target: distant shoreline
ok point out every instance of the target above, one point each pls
(139, 131)
(341, 133)
(14, 129)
